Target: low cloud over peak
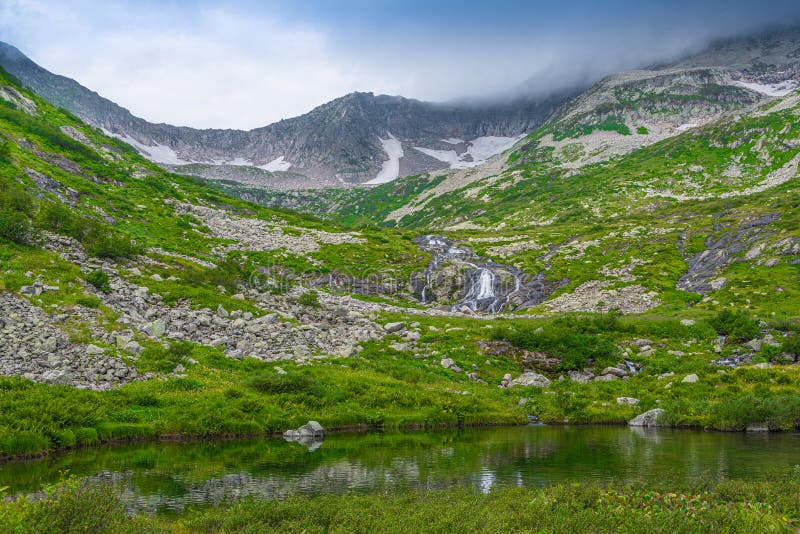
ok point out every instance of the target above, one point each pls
(253, 63)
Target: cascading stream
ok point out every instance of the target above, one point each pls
(485, 287)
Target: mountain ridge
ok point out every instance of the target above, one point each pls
(334, 144)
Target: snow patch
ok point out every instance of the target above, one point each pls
(277, 164)
(773, 89)
(453, 141)
(687, 126)
(157, 153)
(478, 151)
(390, 169)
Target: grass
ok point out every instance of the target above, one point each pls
(765, 505)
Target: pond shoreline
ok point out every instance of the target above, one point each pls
(345, 429)
(222, 438)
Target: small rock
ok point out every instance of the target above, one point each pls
(394, 327)
(616, 371)
(606, 378)
(690, 379)
(32, 291)
(627, 401)
(754, 344)
(155, 329)
(447, 363)
(580, 377)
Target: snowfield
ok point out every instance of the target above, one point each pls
(156, 153)
(277, 164)
(390, 169)
(478, 151)
(775, 89)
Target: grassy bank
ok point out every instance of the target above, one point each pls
(395, 385)
(768, 505)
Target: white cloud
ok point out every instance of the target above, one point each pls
(244, 67)
(222, 70)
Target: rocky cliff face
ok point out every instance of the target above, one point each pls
(353, 139)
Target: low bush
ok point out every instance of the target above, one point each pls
(99, 279)
(564, 341)
(273, 384)
(791, 345)
(75, 506)
(309, 298)
(737, 325)
(15, 227)
(156, 358)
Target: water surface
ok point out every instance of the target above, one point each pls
(167, 477)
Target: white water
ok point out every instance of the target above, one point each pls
(480, 292)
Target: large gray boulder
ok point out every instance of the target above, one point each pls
(311, 435)
(647, 419)
(530, 378)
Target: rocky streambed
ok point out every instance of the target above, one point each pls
(465, 282)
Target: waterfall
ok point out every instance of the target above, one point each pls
(481, 289)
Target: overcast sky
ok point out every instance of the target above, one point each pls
(244, 64)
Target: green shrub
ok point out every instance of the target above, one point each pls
(163, 360)
(111, 245)
(275, 384)
(72, 507)
(99, 279)
(15, 227)
(737, 325)
(309, 298)
(791, 345)
(566, 341)
(66, 438)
